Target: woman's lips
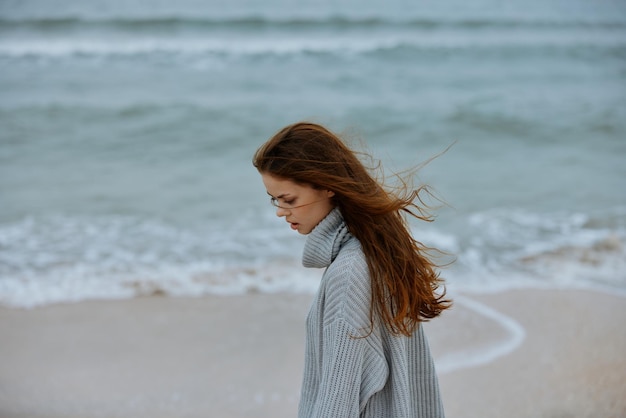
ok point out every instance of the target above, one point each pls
(294, 226)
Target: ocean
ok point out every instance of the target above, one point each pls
(127, 130)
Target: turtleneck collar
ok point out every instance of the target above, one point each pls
(324, 242)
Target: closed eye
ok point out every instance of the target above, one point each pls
(275, 202)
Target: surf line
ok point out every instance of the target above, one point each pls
(473, 357)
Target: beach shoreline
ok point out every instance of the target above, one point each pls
(517, 353)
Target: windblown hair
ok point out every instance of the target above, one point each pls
(404, 280)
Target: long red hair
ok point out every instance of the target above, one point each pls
(405, 282)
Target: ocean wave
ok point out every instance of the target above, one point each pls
(331, 22)
(516, 247)
(603, 262)
(55, 259)
(64, 259)
(407, 46)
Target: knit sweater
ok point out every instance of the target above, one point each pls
(349, 373)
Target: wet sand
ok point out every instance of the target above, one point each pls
(521, 353)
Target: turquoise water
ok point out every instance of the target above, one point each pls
(127, 130)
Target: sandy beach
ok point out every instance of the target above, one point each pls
(520, 353)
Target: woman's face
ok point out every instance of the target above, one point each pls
(301, 205)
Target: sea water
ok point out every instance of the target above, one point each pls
(127, 130)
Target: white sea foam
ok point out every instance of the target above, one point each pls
(281, 44)
(60, 258)
(473, 357)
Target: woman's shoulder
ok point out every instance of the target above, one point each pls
(347, 285)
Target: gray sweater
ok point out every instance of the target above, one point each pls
(381, 375)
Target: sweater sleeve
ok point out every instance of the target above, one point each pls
(352, 371)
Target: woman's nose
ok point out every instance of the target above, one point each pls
(281, 212)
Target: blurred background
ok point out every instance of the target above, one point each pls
(127, 129)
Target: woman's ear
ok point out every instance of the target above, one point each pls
(330, 193)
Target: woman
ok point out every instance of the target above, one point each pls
(366, 353)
